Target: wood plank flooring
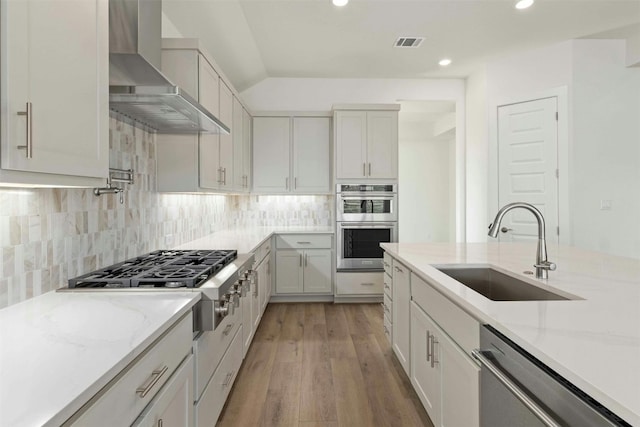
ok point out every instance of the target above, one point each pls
(322, 365)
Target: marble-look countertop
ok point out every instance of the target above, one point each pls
(248, 239)
(59, 349)
(593, 341)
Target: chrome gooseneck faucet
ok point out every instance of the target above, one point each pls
(542, 265)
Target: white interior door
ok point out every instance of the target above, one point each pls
(528, 166)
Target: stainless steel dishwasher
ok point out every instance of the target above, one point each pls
(517, 390)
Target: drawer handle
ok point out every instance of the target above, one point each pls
(387, 286)
(227, 329)
(303, 243)
(367, 284)
(386, 308)
(228, 378)
(386, 264)
(156, 375)
(398, 269)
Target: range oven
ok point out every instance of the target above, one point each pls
(222, 277)
(366, 216)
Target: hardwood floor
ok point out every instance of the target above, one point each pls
(322, 365)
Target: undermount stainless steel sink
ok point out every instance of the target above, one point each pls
(496, 285)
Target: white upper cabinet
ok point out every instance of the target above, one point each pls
(55, 101)
(366, 144)
(204, 162)
(311, 162)
(291, 154)
(271, 154)
(241, 133)
(225, 157)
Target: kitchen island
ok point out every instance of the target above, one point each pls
(592, 339)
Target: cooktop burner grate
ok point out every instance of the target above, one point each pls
(163, 268)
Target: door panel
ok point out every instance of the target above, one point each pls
(288, 272)
(527, 165)
(351, 144)
(311, 154)
(382, 144)
(317, 271)
(271, 154)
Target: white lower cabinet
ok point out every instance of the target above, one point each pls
(446, 380)
(209, 406)
(400, 314)
(304, 264)
(173, 406)
(127, 396)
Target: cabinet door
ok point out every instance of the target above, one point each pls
(289, 271)
(311, 164)
(400, 314)
(425, 379)
(208, 86)
(317, 271)
(209, 144)
(256, 295)
(351, 144)
(237, 133)
(247, 320)
(173, 406)
(55, 57)
(226, 141)
(460, 386)
(246, 142)
(266, 284)
(271, 154)
(382, 144)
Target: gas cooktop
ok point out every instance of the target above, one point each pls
(159, 269)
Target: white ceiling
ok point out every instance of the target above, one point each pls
(255, 39)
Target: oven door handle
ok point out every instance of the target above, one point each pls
(364, 224)
(367, 197)
(520, 394)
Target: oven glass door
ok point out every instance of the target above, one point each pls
(359, 245)
(366, 208)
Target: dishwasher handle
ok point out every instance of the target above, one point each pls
(514, 389)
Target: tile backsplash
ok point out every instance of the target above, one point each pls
(50, 235)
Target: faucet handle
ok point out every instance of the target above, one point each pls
(546, 265)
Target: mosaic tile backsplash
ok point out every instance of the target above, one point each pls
(50, 235)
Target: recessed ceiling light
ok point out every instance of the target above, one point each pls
(444, 62)
(340, 2)
(523, 4)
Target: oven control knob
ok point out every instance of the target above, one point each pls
(222, 307)
(232, 304)
(240, 288)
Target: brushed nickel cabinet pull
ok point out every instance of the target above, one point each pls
(300, 260)
(29, 146)
(227, 329)
(364, 169)
(155, 376)
(160, 423)
(303, 243)
(369, 169)
(295, 182)
(428, 346)
(286, 183)
(367, 284)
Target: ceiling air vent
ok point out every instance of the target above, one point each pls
(409, 41)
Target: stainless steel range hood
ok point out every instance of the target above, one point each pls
(137, 88)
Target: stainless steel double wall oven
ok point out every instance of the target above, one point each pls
(367, 215)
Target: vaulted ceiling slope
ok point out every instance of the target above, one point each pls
(255, 39)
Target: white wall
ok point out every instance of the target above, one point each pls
(477, 153)
(425, 193)
(169, 30)
(599, 146)
(606, 148)
(319, 94)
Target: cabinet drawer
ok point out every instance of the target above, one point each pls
(359, 283)
(303, 241)
(387, 328)
(387, 261)
(261, 252)
(460, 326)
(208, 408)
(387, 285)
(209, 348)
(122, 401)
(387, 306)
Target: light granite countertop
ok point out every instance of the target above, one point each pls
(247, 239)
(59, 349)
(593, 341)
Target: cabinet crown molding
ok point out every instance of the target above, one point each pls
(367, 107)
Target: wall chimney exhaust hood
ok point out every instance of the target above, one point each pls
(137, 89)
